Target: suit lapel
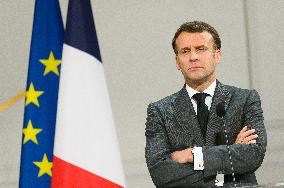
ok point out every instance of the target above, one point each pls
(215, 123)
(186, 117)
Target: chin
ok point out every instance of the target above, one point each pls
(196, 78)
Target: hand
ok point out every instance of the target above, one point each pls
(246, 136)
(183, 156)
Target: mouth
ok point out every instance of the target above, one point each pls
(195, 68)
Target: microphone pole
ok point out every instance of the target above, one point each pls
(221, 111)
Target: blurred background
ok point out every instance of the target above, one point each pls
(135, 41)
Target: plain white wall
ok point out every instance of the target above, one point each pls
(135, 42)
(266, 25)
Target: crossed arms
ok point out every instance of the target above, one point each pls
(173, 168)
(246, 136)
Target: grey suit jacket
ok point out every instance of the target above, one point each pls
(173, 125)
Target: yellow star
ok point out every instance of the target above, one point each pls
(51, 64)
(32, 95)
(44, 166)
(30, 133)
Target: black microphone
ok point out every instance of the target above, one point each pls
(220, 109)
(221, 112)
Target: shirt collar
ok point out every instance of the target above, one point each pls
(210, 90)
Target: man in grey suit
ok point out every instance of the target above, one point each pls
(186, 144)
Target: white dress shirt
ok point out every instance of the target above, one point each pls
(197, 151)
(208, 100)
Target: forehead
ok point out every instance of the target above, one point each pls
(186, 39)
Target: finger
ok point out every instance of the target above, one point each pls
(251, 137)
(175, 155)
(239, 141)
(243, 130)
(252, 142)
(248, 133)
(240, 135)
(174, 158)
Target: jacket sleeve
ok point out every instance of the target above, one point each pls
(246, 158)
(164, 171)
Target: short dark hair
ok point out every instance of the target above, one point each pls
(197, 27)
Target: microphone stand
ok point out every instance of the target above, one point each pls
(221, 111)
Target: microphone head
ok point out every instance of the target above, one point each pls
(220, 109)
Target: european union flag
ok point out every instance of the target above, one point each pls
(41, 95)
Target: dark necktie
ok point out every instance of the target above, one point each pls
(202, 111)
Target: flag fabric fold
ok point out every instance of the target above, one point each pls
(41, 95)
(86, 152)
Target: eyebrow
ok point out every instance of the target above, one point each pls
(200, 46)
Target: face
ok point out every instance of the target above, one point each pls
(196, 57)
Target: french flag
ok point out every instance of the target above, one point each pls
(86, 152)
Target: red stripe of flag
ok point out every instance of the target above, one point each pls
(67, 175)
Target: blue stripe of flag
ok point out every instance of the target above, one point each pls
(47, 37)
(80, 29)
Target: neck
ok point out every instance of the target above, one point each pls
(200, 85)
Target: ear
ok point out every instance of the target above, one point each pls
(218, 56)
(177, 63)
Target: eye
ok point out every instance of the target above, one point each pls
(185, 51)
(201, 49)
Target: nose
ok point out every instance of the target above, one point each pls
(193, 57)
